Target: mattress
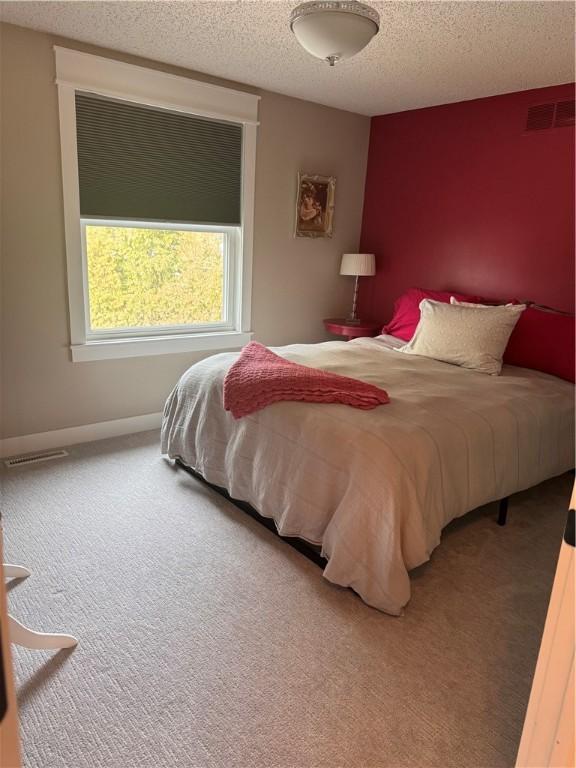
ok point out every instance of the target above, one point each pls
(375, 488)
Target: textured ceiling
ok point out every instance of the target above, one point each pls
(426, 52)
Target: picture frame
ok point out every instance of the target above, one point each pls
(315, 205)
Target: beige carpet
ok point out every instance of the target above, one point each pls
(206, 641)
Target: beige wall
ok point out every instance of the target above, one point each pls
(295, 281)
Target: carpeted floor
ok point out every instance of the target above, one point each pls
(207, 642)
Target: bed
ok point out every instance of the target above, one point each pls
(374, 489)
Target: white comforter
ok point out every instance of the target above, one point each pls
(375, 488)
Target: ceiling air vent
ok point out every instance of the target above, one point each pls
(564, 114)
(540, 117)
(35, 458)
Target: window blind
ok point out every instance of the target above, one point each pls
(137, 162)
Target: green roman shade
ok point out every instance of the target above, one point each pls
(141, 163)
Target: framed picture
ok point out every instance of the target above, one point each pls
(315, 205)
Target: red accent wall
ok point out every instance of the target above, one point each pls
(459, 197)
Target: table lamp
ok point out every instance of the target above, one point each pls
(358, 265)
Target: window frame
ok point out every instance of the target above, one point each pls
(76, 71)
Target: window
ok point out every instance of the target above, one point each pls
(158, 181)
(145, 279)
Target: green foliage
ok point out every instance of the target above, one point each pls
(153, 277)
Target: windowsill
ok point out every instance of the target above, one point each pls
(158, 345)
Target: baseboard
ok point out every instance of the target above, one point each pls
(59, 438)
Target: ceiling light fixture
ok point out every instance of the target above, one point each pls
(334, 30)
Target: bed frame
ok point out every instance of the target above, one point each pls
(502, 511)
(306, 549)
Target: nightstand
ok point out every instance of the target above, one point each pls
(341, 327)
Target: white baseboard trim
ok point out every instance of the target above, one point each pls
(58, 438)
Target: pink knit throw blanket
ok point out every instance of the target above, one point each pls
(259, 378)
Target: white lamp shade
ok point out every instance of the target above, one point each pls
(334, 34)
(363, 264)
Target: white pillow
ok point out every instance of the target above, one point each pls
(470, 336)
(486, 306)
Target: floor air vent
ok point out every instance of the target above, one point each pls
(35, 458)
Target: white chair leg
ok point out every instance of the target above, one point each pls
(21, 635)
(15, 571)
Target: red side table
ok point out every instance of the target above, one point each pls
(341, 327)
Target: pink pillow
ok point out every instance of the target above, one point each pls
(543, 340)
(407, 309)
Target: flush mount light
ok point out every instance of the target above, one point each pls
(334, 30)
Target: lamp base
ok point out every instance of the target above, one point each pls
(352, 318)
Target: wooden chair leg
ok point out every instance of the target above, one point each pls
(15, 571)
(23, 635)
(502, 511)
(28, 638)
